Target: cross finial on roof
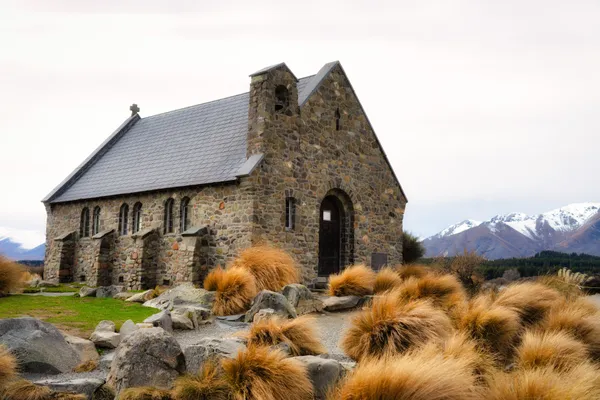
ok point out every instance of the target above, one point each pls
(134, 109)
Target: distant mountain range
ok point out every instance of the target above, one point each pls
(573, 228)
(15, 249)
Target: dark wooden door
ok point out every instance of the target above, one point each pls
(330, 236)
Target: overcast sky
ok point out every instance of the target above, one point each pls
(482, 107)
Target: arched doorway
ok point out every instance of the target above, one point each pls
(336, 226)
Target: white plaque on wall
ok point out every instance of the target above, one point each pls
(326, 215)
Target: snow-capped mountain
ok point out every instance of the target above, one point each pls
(520, 235)
(21, 244)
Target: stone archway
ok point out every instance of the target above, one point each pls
(336, 232)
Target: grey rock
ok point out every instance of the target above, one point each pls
(263, 314)
(87, 292)
(85, 386)
(149, 357)
(109, 291)
(106, 360)
(348, 365)
(181, 320)
(197, 314)
(268, 299)
(209, 348)
(140, 297)
(128, 328)
(323, 373)
(122, 296)
(106, 339)
(184, 294)
(47, 284)
(232, 318)
(85, 348)
(296, 292)
(105, 326)
(38, 346)
(340, 303)
(161, 320)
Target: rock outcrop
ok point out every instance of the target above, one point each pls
(273, 300)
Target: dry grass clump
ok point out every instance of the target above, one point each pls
(11, 276)
(235, 291)
(22, 389)
(580, 383)
(390, 327)
(259, 373)
(299, 334)
(86, 366)
(356, 280)
(213, 278)
(209, 384)
(386, 279)
(444, 291)
(530, 300)
(8, 366)
(273, 268)
(145, 393)
(493, 326)
(411, 377)
(550, 349)
(104, 392)
(412, 271)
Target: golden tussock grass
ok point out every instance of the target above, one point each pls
(8, 365)
(410, 376)
(299, 334)
(235, 291)
(386, 279)
(494, 327)
(390, 327)
(213, 278)
(86, 366)
(567, 289)
(580, 383)
(22, 389)
(144, 393)
(11, 276)
(68, 396)
(259, 373)
(558, 350)
(104, 392)
(273, 268)
(444, 291)
(412, 271)
(530, 300)
(208, 384)
(356, 280)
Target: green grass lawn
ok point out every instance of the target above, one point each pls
(75, 315)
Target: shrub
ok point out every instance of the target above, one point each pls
(412, 270)
(411, 376)
(213, 278)
(22, 389)
(235, 291)
(11, 276)
(412, 248)
(530, 300)
(444, 291)
(386, 279)
(465, 266)
(299, 334)
(390, 327)
(144, 393)
(209, 384)
(494, 327)
(8, 366)
(357, 280)
(273, 268)
(67, 396)
(259, 373)
(550, 349)
(86, 366)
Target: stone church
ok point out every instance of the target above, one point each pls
(293, 163)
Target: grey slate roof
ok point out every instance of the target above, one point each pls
(196, 145)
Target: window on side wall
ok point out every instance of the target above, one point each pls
(123, 215)
(96, 221)
(168, 218)
(184, 214)
(290, 213)
(84, 226)
(137, 217)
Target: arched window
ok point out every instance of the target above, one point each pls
(84, 226)
(137, 217)
(168, 228)
(337, 119)
(96, 221)
(290, 213)
(123, 215)
(282, 98)
(184, 214)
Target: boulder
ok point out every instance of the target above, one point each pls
(184, 294)
(149, 357)
(87, 291)
(323, 373)
(340, 303)
(263, 314)
(144, 325)
(105, 336)
(127, 329)
(161, 320)
(302, 299)
(197, 314)
(268, 299)
(85, 386)
(47, 284)
(85, 348)
(106, 326)
(181, 319)
(210, 348)
(109, 291)
(106, 360)
(140, 297)
(122, 296)
(38, 346)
